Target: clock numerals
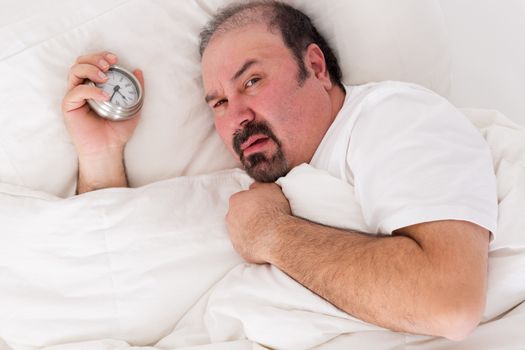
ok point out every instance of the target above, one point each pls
(125, 94)
(121, 89)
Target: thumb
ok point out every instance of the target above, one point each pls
(140, 76)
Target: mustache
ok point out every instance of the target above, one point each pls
(252, 128)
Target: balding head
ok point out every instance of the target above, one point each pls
(295, 28)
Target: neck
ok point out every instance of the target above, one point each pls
(337, 97)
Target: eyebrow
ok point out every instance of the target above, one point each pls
(243, 69)
(236, 76)
(210, 97)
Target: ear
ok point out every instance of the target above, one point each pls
(316, 64)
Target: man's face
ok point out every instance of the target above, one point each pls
(268, 119)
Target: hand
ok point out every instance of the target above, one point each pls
(99, 142)
(92, 135)
(253, 218)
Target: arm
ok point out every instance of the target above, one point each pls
(427, 279)
(99, 142)
(101, 171)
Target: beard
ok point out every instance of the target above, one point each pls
(259, 166)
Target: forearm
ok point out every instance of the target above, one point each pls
(96, 172)
(388, 281)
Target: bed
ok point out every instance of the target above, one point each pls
(151, 266)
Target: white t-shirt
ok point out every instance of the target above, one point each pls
(411, 156)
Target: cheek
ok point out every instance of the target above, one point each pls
(276, 105)
(296, 118)
(225, 134)
(220, 127)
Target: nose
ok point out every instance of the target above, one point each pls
(239, 112)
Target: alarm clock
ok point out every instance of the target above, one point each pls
(126, 95)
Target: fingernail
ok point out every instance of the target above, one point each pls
(102, 75)
(111, 57)
(105, 94)
(103, 63)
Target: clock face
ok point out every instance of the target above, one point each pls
(121, 89)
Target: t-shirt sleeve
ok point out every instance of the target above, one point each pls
(415, 158)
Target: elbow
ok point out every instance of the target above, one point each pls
(460, 326)
(459, 321)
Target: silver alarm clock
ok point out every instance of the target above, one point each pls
(126, 95)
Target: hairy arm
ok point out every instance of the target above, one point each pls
(427, 279)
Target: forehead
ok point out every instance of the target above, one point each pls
(230, 50)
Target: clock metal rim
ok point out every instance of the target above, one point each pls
(113, 112)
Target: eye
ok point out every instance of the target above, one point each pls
(251, 82)
(220, 103)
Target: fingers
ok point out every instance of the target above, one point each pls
(76, 97)
(255, 185)
(140, 76)
(91, 67)
(100, 59)
(80, 72)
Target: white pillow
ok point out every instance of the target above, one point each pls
(379, 40)
(116, 263)
(376, 40)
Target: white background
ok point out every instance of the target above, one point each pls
(487, 40)
(486, 37)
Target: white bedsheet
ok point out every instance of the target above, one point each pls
(127, 268)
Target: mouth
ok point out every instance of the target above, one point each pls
(254, 144)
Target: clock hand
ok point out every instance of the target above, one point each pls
(124, 97)
(115, 90)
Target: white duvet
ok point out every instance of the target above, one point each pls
(152, 267)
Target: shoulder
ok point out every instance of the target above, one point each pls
(377, 91)
(391, 107)
(416, 158)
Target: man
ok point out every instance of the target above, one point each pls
(421, 172)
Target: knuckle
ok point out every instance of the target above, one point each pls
(92, 57)
(88, 70)
(66, 106)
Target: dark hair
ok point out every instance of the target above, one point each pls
(296, 28)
